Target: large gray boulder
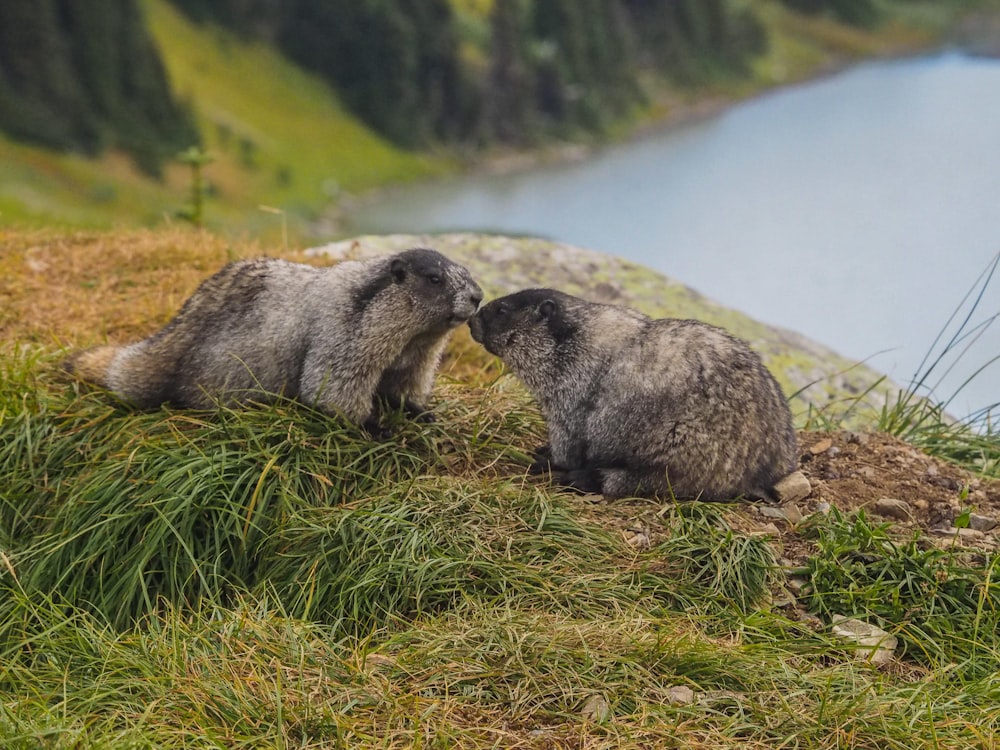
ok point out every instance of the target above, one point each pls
(818, 377)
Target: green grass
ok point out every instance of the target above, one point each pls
(271, 577)
(69, 190)
(280, 135)
(936, 600)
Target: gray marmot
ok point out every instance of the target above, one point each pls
(642, 407)
(337, 338)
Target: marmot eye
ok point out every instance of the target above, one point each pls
(434, 278)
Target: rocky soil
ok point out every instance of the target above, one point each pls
(891, 480)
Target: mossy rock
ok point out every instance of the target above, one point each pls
(820, 381)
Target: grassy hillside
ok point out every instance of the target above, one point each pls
(278, 137)
(272, 577)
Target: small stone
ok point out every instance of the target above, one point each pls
(874, 645)
(890, 507)
(797, 583)
(638, 539)
(784, 599)
(821, 447)
(948, 483)
(981, 523)
(823, 507)
(768, 529)
(970, 534)
(921, 504)
(963, 534)
(596, 709)
(680, 695)
(833, 451)
(801, 615)
(793, 488)
(861, 438)
(792, 514)
(769, 511)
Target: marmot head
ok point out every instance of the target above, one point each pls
(442, 291)
(529, 330)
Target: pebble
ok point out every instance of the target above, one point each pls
(596, 709)
(680, 695)
(639, 539)
(891, 507)
(875, 645)
(797, 583)
(821, 447)
(793, 488)
(768, 529)
(793, 514)
(981, 523)
(769, 511)
(966, 534)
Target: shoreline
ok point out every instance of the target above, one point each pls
(977, 34)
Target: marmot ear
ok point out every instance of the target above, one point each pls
(546, 309)
(398, 269)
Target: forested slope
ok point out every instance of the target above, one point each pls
(87, 77)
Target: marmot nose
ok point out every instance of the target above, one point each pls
(475, 298)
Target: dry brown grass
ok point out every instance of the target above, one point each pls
(73, 289)
(85, 287)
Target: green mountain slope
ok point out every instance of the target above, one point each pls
(278, 137)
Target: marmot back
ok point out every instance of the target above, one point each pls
(335, 337)
(636, 406)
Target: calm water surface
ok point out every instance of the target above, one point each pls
(858, 210)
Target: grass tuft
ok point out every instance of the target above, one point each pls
(121, 512)
(939, 602)
(917, 415)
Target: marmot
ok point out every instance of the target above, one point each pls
(642, 407)
(336, 338)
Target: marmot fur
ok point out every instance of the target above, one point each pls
(336, 338)
(642, 407)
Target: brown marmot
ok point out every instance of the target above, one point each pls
(642, 407)
(337, 338)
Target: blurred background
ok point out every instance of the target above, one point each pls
(829, 166)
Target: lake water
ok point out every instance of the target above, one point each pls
(859, 210)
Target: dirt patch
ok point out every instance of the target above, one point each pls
(893, 482)
(856, 470)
